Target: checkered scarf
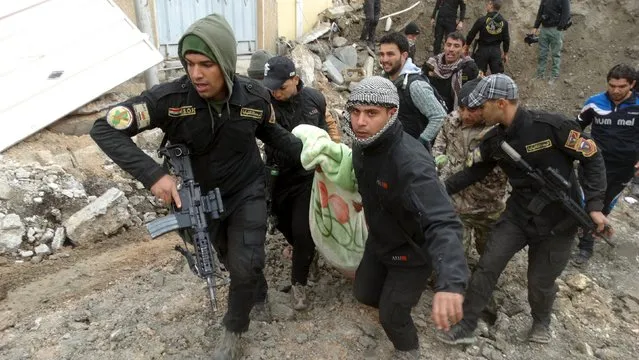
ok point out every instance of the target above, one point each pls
(374, 90)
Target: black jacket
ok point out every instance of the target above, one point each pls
(446, 10)
(413, 121)
(411, 220)
(307, 107)
(493, 31)
(543, 140)
(553, 13)
(223, 147)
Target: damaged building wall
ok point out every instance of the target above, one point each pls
(288, 16)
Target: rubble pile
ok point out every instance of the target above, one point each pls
(330, 62)
(343, 61)
(43, 204)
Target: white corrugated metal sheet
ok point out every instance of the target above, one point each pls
(57, 55)
(175, 16)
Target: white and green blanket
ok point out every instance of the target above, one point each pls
(336, 216)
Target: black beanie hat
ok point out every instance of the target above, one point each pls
(411, 29)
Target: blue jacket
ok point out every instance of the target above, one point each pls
(615, 129)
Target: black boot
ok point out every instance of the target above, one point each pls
(539, 333)
(581, 258)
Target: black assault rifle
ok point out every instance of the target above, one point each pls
(191, 219)
(554, 188)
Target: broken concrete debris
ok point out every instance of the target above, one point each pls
(316, 33)
(42, 206)
(347, 55)
(339, 41)
(11, 231)
(305, 64)
(104, 216)
(333, 72)
(337, 12)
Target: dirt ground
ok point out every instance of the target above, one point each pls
(129, 297)
(132, 298)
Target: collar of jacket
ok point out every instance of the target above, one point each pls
(390, 136)
(521, 116)
(239, 96)
(293, 99)
(631, 100)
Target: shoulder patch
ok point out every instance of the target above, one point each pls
(251, 113)
(540, 145)
(119, 117)
(577, 143)
(181, 111)
(142, 116)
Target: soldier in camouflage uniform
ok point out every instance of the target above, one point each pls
(479, 205)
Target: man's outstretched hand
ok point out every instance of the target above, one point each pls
(166, 190)
(600, 220)
(447, 309)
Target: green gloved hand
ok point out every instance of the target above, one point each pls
(441, 161)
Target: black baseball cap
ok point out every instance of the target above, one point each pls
(277, 70)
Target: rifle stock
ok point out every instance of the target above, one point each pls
(554, 188)
(191, 219)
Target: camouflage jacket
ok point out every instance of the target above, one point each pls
(456, 142)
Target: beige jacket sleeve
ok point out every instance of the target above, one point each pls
(332, 123)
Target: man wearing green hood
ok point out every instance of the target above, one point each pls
(217, 114)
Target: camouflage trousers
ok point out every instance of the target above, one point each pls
(477, 227)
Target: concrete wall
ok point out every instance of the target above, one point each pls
(287, 22)
(128, 6)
